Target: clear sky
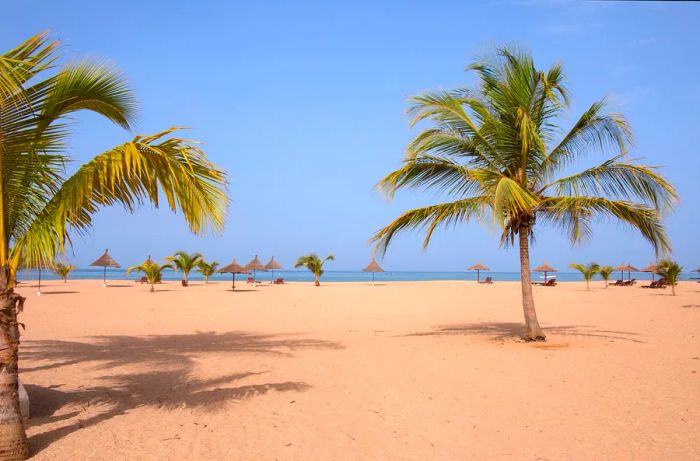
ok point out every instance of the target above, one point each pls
(304, 104)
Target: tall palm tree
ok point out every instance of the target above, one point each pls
(315, 264)
(605, 273)
(40, 205)
(207, 269)
(152, 270)
(185, 262)
(587, 270)
(495, 152)
(63, 270)
(671, 271)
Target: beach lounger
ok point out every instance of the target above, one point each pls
(618, 283)
(487, 280)
(279, 282)
(250, 280)
(652, 285)
(550, 283)
(143, 279)
(629, 283)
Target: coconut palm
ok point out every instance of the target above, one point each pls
(40, 206)
(587, 270)
(315, 264)
(605, 273)
(207, 269)
(185, 262)
(63, 270)
(494, 151)
(670, 270)
(152, 270)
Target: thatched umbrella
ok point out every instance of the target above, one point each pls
(626, 268)
(233, 269)
(478, 267)
(373, 267)
(271, 266)
(255, 265)
(653, 268)
(105, 261)
(545, 268)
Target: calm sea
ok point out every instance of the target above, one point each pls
(330, 276)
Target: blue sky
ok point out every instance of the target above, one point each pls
(303, 103)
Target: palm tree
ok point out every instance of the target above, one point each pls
(494, 151)
(185, 262)
(152, 270)
(40, 207)
(587, 270)
(670, 270)
(207, 269)
(605, 272)
(63, 270)
(315, 264)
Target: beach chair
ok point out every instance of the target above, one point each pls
(487, 280)
(618, 283)
(629, 283)
(652, 285)
(250, 280)
(279, 282)
(143, 279)
(550, 283)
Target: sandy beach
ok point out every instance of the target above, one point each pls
(402, 370)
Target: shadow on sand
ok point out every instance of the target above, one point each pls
(500, 331)
(170, 382)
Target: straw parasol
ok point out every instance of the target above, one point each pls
(653, 268)
(545, 268)
(271, 266)
(105, 261)
(255, 265)
(233, 269)
(373, 267)
(478, 267)
(626, 268)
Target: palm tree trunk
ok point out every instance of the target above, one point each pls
(317, 281)
(153, 287)
(588, 285)
(13, 440)
(533, 332)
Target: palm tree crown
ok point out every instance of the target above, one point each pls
(495, 151)
(39, 204)
(587, 270)
(151, 269)
(671, 271)
(605, 272)
(185, 262)
(63, 270)
(315, 264)
(207, 269)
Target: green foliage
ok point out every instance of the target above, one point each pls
(671, 271)
(151, 269)
(313, 263)
(207, 269)
(41, 205)
(605, 273)
(63, 270)
(494, 150)
(185, 262)
(587, 270)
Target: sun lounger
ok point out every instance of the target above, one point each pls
(629, 283)
(652, 285)
(487, 280)
(250, 280)
(618, 283)
(550, 283)
(279, 282)
(661, 283)
(143, 279)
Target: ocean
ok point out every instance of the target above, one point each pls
(329, 276)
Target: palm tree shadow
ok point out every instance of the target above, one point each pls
(170, 382)
(500, 331)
